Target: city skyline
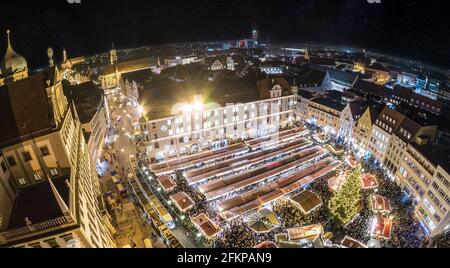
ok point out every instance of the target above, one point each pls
(405, 29)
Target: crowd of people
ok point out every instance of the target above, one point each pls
(407, 231)
(237, 235)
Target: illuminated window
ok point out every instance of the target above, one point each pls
(22, 181)
(54, 172)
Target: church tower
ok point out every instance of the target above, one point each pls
(13, 66)
(113, 55)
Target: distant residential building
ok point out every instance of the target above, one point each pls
(373, 91)
(309, 79)
(275, 68)
(220, 63)
(407, 79)
(378, 73)
(112, 74)
(434, 86)
(180, 60)
(338, 80)
(406, 95)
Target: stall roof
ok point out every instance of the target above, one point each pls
(307, 201)
(182, 201)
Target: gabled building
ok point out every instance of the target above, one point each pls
(311, 80)
(393, 131)
(329, 112)
(363, 128)
(339, 80)
(223, 62)
(385, 125)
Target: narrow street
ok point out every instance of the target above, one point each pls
(121, 148)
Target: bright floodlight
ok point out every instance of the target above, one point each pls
(187, 109)
(198, 106)
(198, 103)
(140, 109)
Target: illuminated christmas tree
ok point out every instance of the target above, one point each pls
(344, 204)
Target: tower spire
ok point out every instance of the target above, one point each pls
(8, 33)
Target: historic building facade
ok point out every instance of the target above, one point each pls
(49, 188)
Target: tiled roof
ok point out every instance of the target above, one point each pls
(87, 98)
(436, 155)
(372, 89)
(25, 108)
(390, 118)
(343, 77)
(129, 66)
(331, 103)
(311, 78)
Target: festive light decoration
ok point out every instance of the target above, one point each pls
(344, 204)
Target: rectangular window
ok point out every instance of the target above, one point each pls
(22, 181)
(52, 243)
(67, 237)
(44, 151)
(38, 175)
(54, 172)
(11, 161)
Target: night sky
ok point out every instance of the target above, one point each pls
(413, 29)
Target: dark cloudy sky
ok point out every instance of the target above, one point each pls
(416, 29)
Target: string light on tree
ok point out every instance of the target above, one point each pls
(344, 204)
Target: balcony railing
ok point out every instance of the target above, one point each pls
(19, 232)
